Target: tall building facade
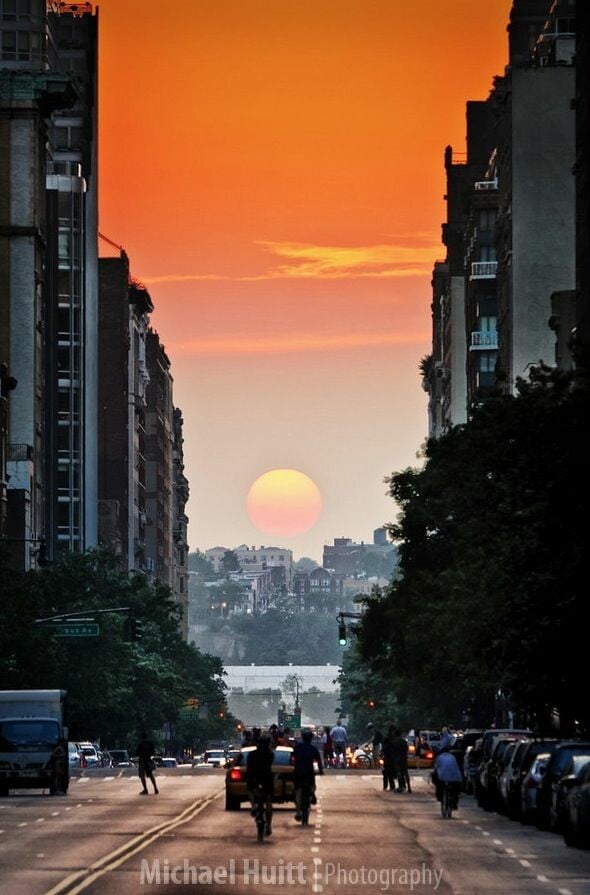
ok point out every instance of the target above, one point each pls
(509, 273)
(48, 259)
(123, 325)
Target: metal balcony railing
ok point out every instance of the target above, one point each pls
(19, 452)
(483, 270)
(486, 184)
(484, 340)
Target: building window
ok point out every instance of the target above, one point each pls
(487, 218)
(487, 253)
(487, 324)
(487, 361)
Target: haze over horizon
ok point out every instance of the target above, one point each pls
(284, 207)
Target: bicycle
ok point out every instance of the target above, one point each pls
(446, 800)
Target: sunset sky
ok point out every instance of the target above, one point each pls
(274, 170)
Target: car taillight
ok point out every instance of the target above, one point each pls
(429, 755)
(235, 774)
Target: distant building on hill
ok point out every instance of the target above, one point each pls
(345, 557)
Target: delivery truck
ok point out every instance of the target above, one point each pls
(31, 725)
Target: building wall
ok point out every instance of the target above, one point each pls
(543, 208)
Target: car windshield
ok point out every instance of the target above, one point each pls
(87, 750)
(215, 754)
(119, 755)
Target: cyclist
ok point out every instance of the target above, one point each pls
(260, 778)
(305, 755)
(446, 770)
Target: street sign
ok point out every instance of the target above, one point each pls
(292, 720)
(75, 629)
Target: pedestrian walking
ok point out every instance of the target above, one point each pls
(327, 748)
(145, 764)
(389, 755)
(400, 761)
(339, 743)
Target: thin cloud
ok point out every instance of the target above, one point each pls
(315, 262)
(292, 344)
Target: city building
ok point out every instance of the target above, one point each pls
(347, 558)
(125, 307)
(503, 298)
(48, 255)
(180, 495)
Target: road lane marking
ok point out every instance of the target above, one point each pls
(478, 828)
(509, 851)
(1, 831)
(81, 879)
(84, 780)
(108, 778)
(40, 820)
(542, 879)
(314, 848)
(483, 833)
(524, 863)
(69, 808)
(564, 892)
(497, 841)
(55, 813)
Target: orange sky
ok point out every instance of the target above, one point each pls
(274, 170)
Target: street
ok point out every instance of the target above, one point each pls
(104, 838)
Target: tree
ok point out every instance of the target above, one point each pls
(230, 562)
(490, 591)
(115, 688)
(198, 562)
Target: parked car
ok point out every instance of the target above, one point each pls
(169, 762)
(530, 785)
(508, 775)
(548, 794)
(486, 789)
(90, 753)
(282, 767)
(572, 776)
(119, 758)
(576, 812)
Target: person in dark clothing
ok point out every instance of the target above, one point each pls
(376, 743)
(400, 761)
(60, 769)
(305, 755)
(260, 778)
(388, 752)
(145, 764)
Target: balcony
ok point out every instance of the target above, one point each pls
(486, 184)
(483, 270)
(484, 340)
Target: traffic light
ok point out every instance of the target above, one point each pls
(133, 629)
(342, 634)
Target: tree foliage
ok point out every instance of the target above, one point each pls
(115, 688)
(490, 597)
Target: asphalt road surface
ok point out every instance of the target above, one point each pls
(103, 837)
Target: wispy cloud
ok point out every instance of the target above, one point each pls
(292, 343)
(317, 262)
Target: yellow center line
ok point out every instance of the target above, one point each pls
(81, 879)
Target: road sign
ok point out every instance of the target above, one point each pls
(75, 629)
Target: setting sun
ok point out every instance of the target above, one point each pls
(284, 502)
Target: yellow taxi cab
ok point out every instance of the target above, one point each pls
(420, 754)
(236, 791)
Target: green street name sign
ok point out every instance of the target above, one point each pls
(76, 629)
